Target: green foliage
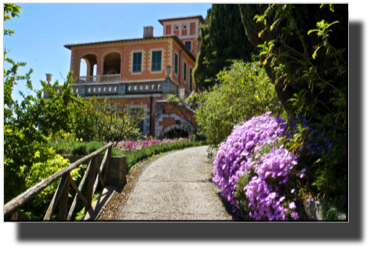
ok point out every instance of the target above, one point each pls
(283, 36)
(330, 172)
(94, 145)
(136, 156)
(10, 10)
(242, 92)
(70, 145)
(80, 215)
(304, 50)
(79, 149)
(61, 142)
(116, 152)
(39, 171)
(28, 123)
(107, 120)
(331, 208)
(222, 40)
(193, 138)
(240, 193)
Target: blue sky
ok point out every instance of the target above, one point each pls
(43, 29)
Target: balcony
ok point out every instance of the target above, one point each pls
(115, 88)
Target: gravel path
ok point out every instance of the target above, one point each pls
(177, 186)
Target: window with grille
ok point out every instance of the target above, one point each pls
(156, 60)
(136, 62)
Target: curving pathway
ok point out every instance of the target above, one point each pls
(177, 186)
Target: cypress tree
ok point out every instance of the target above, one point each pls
(223, 39)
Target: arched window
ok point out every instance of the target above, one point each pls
(87, 68)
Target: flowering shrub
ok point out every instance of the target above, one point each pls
(133, 145)
(254, 171)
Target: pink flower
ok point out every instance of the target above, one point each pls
(292, 205)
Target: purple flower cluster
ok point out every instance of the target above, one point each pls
(133, 145)
(242, 154)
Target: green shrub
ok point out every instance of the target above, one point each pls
(331, 208)
(39, 171)
(94, 145)
(79, 149)
(242, 91)
(136, 156)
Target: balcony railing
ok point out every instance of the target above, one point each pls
(87, 79)
(111, 78)
(101, 78)
(123, 88)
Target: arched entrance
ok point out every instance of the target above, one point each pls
(176, 133)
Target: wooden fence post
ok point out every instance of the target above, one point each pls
(80, 189)
(62, 210)
(57, 195)
(91, 181)
(107, 171)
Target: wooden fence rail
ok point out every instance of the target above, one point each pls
(61, 195)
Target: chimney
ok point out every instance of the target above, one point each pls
(148, 32)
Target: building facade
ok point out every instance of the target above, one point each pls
(142, 71)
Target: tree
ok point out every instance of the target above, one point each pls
(27, 124)
(107, 120)
(241, 92)
(222, 39)
(306, 67)
(304, 50)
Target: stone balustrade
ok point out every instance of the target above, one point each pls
(123, 88)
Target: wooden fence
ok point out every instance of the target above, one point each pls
(61, 195)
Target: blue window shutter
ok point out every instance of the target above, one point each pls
(139, 59)
(136, 62)
(156, 60)
(153, 61)
(159, 61)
